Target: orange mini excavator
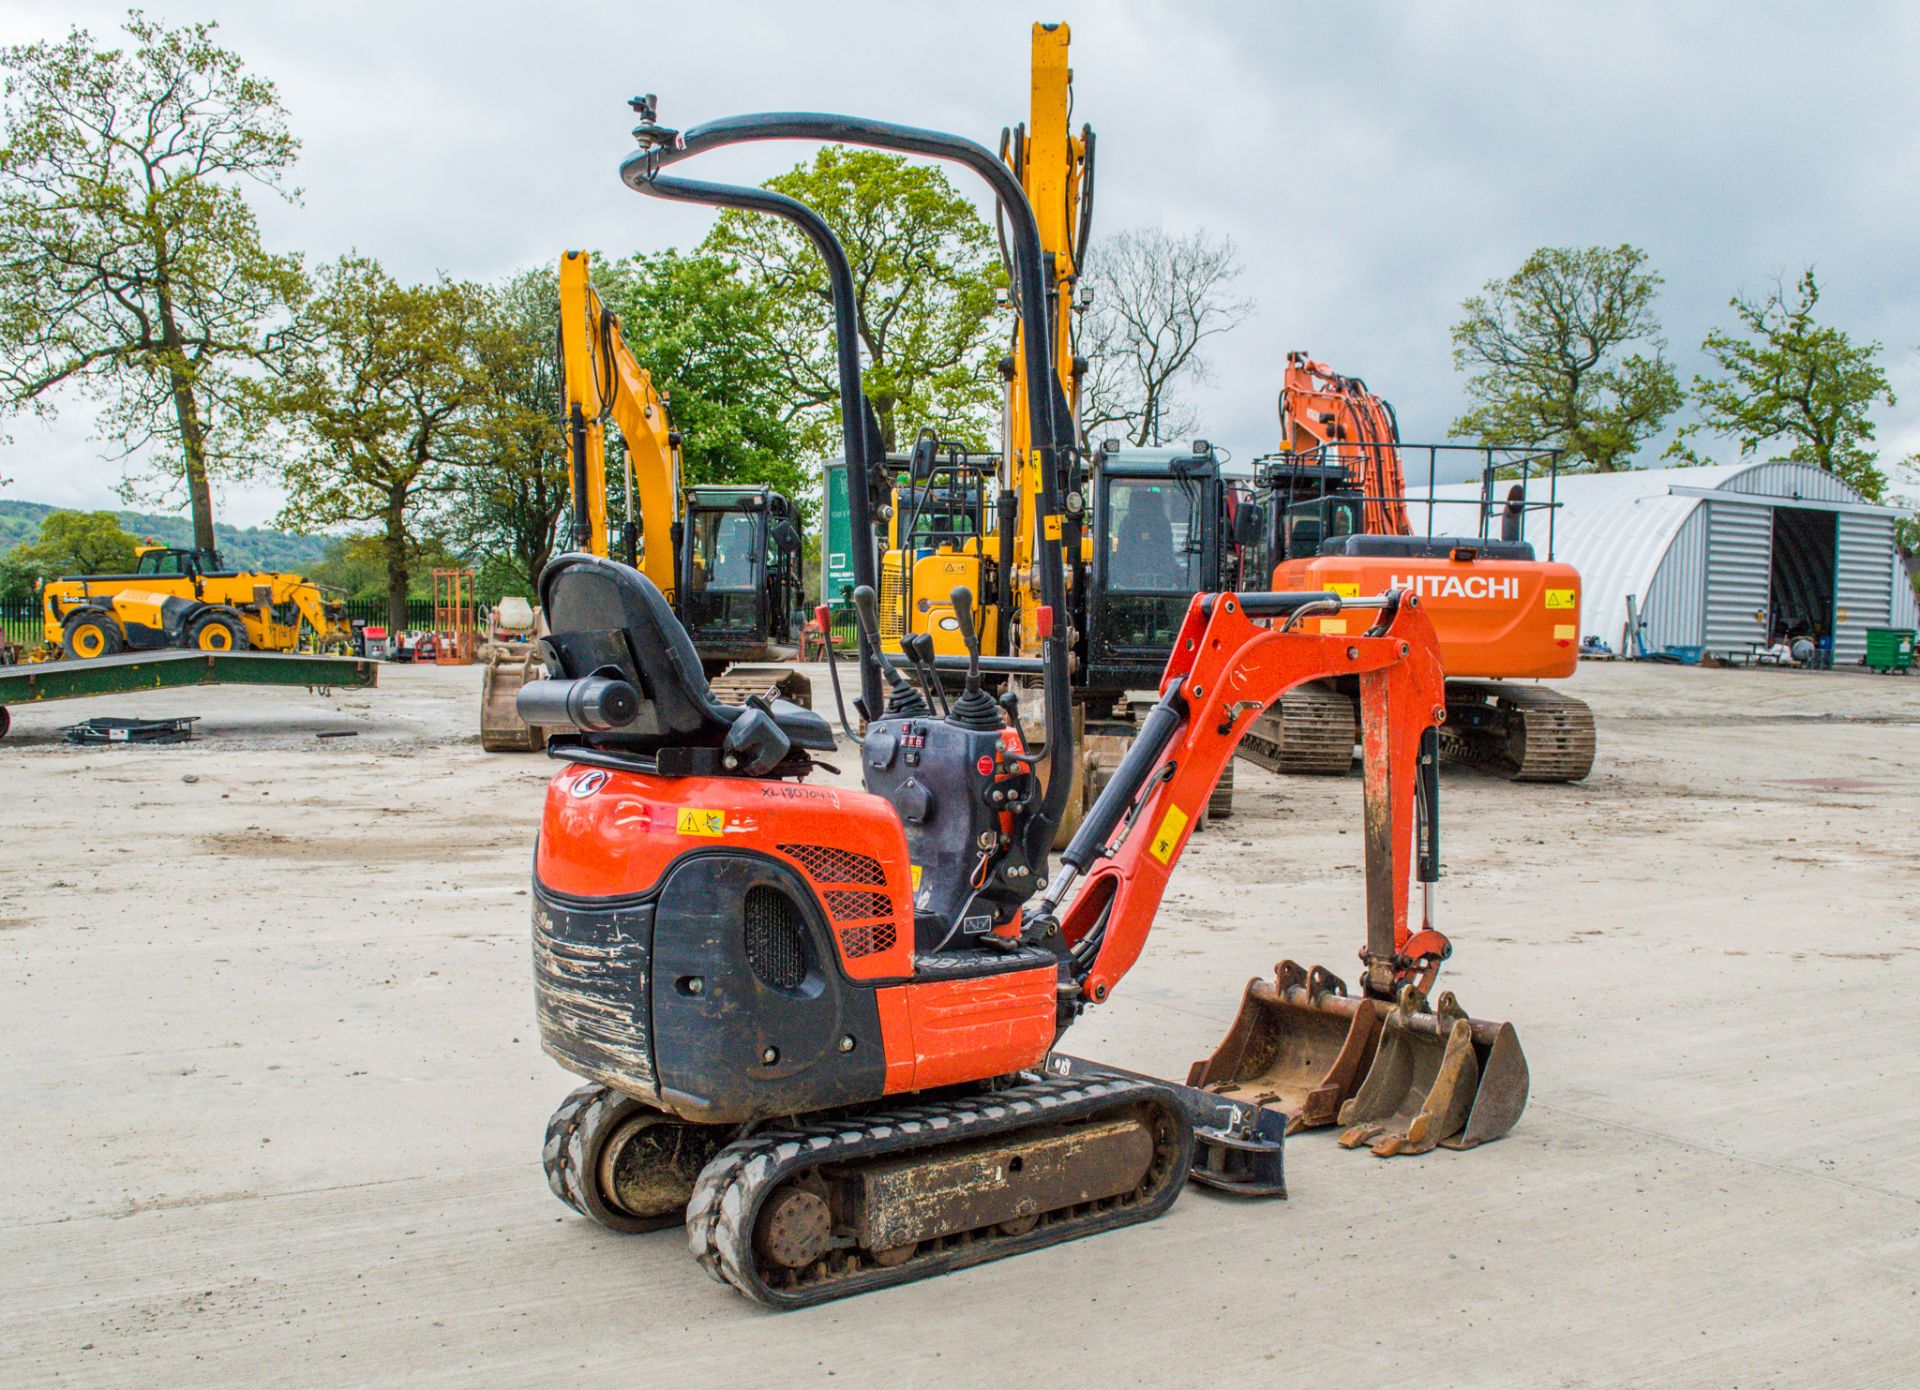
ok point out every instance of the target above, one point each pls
(1337, 498)
(818, 1022)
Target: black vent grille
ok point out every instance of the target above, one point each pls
(774, 944)
(829, 865)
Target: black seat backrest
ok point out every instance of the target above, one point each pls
(603, 614)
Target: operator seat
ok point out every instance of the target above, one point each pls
(602, 615)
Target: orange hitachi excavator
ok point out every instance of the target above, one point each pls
(817, 1021)
(1338, 522)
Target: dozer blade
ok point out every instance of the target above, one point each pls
(1438, 1079)
(1299, 1046)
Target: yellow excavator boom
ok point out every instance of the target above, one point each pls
(604, 382)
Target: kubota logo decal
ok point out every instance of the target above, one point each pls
(1476, 586)
(588, 783)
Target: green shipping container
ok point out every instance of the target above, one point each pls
(836, 545)
(1890, 649)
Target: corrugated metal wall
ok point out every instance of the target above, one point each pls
(1862, 583)
(1781, 480)
(1906, 605)
(1674, 605)
(1739, 557)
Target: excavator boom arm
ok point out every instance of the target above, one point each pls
(1322, 411)
(1226, 668)
(604, 381)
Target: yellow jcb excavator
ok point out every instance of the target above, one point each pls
(727, 556)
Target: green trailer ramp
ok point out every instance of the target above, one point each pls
(131, 672)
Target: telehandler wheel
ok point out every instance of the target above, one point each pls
(623, 1164)
(87, 635)
(217, 632)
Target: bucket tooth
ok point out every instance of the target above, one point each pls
(1299, 1046)
(1438, 1079)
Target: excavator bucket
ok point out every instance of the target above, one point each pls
(1438, 1078)
(1299, 1046)
(502, 730)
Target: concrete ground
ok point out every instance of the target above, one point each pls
(272, 1099)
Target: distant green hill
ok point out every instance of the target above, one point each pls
(272, 550)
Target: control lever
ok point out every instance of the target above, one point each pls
(918, 649)
(975, 709)
(902, 698)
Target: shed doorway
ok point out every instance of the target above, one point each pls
(1805, 550)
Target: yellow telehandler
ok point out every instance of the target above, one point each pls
(188, 598)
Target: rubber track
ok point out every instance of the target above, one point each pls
(731, 1189)
(1310, 731)
(559, 1155)
(1554, 732)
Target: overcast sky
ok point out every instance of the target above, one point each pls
(1375, 162)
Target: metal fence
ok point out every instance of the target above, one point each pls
(20, 622)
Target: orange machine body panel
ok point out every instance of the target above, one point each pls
(944, 1032)
(611, 834)
(1495, 619)
(608, 834)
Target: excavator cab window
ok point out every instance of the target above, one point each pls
(1309, 524)
(727, 563)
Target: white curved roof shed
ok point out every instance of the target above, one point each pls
(1718, 557)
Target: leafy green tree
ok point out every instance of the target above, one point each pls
(1548, 349)
(131, 266)
(68, 543)
(513, 466)
(925, 272)
(701, 331)
(357, 565)
(1786, 379)
(373, 402)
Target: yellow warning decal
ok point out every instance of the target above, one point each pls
(1563, 632)
(1561, 598)
(916, 876)
(1344, 590)
(698, 820)
(1168, 840)
(1050, 526)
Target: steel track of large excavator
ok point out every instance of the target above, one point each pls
(1311, 730)
(820, 1210)
(733, 685)
(1529, 732)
